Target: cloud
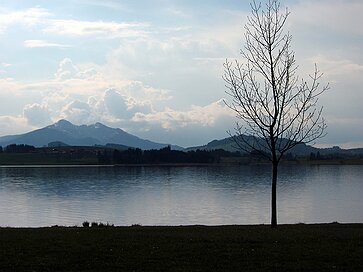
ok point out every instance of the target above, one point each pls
(344, 77)
(54, 101)
(335, 15)
(105, 4)
(112, 107)
(103, 29)
(41, 18)
(189, 63)
(43, 43)
(171, 119)
(11, 125)
(66, 70)
(5, 67)
(176, 12)
(337, 68)
(131, 105)
(81, 94)
(28, 18)
(116, 104)
(172, 55)
(37, 115)
(78, 112)
(340, 132)
(140, 92)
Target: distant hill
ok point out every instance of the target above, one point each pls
(57, 144)
(84, 135)
(229, 144)
(117, 146)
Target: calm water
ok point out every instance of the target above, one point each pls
(178, 195)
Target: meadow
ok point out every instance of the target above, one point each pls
(324, 247)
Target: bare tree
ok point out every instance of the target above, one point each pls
(276, 107)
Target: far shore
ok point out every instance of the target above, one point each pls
(304, 163)
(97, 156)
(300, 247)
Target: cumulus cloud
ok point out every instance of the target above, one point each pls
(171, 119)
(11, 125)
(80, 91)
(139, 91)
(116, 104)
(37, 115)
(109, 107)
(66, 69)
(78, 112)
(131, 105)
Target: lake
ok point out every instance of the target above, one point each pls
(180, 195)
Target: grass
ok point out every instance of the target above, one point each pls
(327, 247)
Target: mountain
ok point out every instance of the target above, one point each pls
(229, 144)
(84, 135)
(302, 149)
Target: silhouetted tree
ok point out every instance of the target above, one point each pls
(277, 108)
(163, 155)
(19, 148)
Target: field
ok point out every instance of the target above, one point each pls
(327, 247)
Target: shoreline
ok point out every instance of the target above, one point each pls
(108, 225)
(285, 163)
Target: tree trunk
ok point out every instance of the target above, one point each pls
(273, 195)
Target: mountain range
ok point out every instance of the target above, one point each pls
(64, 132)
(67, 133)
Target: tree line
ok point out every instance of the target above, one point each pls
(17, 148)
(106, 155)
(164, 155)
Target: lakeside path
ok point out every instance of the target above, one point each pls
(321, 247)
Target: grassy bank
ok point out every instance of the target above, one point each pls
(329, 247)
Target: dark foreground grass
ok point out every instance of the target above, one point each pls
(328, 247)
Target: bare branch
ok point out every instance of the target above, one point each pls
(267, 96)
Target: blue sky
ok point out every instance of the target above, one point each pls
(154, 68)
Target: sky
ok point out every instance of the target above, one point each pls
(154, 67)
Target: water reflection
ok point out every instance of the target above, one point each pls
(177, 195)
